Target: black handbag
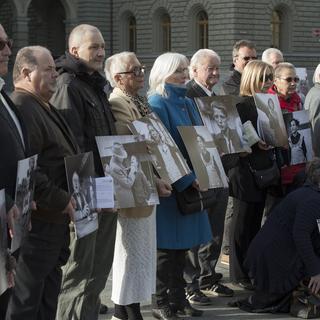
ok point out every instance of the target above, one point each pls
(191, 200)
(266, 177)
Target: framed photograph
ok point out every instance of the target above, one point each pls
(299, 137)
(23, 198)
(271, 126)
(127, 161)
(81, 184)
(204, 157)
(3, 243)
(166, 156)
(219, 114)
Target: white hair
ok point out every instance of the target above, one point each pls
(117, 63)
(199, 56)
(316, 75)
(266, 54)
(164, 66)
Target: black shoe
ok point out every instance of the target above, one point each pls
(164, 313)
(103, 309)
(198, 298)
(245, 284)
(186, 309)
(218, 290)
(217, 276)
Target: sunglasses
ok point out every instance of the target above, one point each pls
(248, 58)
(8, 42)
(267, 78)
(290, 79)
(136, 71)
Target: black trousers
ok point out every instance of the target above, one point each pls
(44, 250)
(170, 283)
(246, 222)
(201, 260)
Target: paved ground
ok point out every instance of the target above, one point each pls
(218, 310)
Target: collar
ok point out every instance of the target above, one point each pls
(205, 89)
(173, 89)
(2, 83)
(37, 97)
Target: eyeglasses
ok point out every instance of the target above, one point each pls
(8, 42)
(247, 58)
(267, 78)
(136, 71)
(182, 70)
(290, 79)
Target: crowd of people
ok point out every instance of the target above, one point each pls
(57, 109)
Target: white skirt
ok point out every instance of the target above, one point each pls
(134, 263)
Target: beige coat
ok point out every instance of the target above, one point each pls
(125, 111)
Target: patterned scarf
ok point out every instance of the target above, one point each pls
(141, 103)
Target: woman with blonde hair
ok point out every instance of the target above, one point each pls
(249, 199)
(176, 233)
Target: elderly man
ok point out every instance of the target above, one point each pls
(45, 247)
(243, 52)
(272, 56)
(202, 260)
(14, 144)
(82, 100)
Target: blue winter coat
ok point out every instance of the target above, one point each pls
(175, 231)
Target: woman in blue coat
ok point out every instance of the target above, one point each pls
(176, 233)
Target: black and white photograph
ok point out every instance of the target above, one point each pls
(299, 137)
(127, 161)
(23, 198)
(3, 243)
(204, 157)
(81, 185)
(271, 126)
(166, 156)
(220, 116)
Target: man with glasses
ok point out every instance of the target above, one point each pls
(83, 102)
(243, 52)
(14, 145)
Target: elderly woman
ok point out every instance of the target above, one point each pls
(285, 85)
(249, 198)
(134, 262)
(287, 248)
(176, 233)
(312, 103)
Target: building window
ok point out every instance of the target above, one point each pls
(276, 22)
(132, 34)
(202, 26)
(166, 32)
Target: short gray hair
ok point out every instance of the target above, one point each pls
(283, 66)
(198, 57)
(266, 54)
(26, 57)
(117, 63)
(316, 75)
(77, 33)
(164, 66)
(240, 44)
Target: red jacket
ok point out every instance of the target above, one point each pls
(290, 105)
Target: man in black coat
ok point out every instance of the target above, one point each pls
(46, 247)
(82, 100)
(14, 145)
(201, 261)
(243, 52)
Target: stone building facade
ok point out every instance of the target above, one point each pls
(151, 27)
